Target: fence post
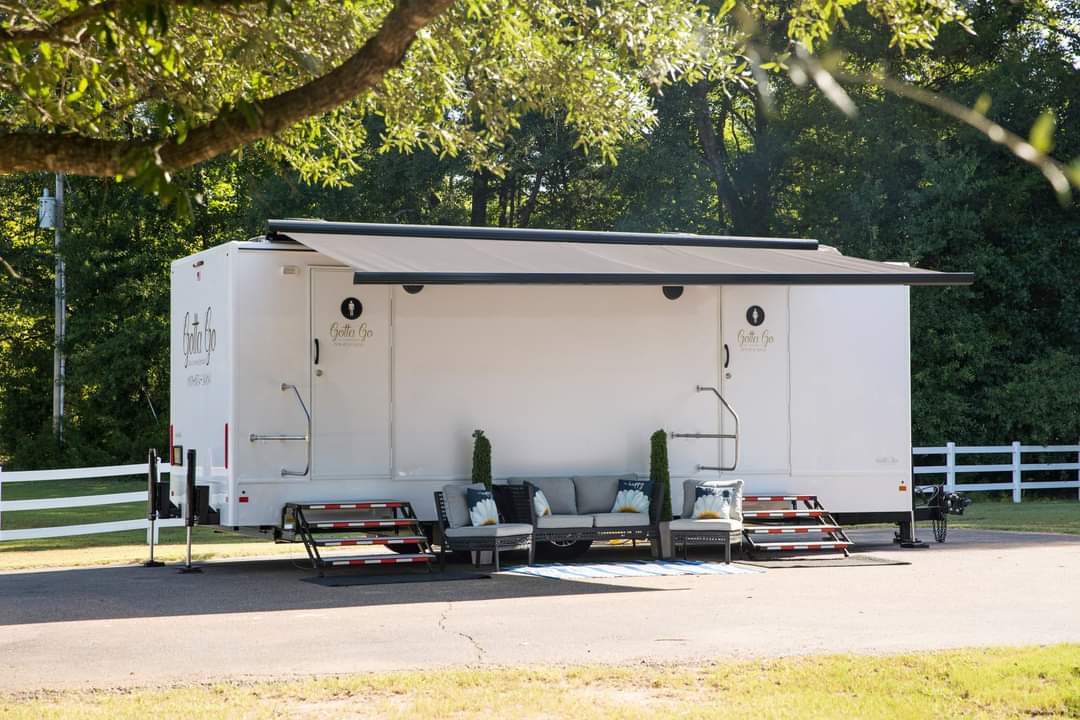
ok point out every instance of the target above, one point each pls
(1016, 488)
(950, 467)
(1, 499)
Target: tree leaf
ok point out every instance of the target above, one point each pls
(1042, 132)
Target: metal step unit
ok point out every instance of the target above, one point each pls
(770, 521)
(323, 526)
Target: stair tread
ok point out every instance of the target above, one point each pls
(395, 559)
(372, 540)
(350, 504)
(785, 529)
(364, 523)
(782, 513)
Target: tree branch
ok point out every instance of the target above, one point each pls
(232, 128)
(716, 157)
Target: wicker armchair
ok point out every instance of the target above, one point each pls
(488, 538)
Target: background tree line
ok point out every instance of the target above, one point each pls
(994, 362)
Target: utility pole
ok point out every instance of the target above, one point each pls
(51, 215)
(61, 318)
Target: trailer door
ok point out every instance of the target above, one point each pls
(755, 377)
(350, 376)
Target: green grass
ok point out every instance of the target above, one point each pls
(1054, 516)
(1039, 682)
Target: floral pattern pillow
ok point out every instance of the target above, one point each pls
(541, 504)
(482, 510)
(713, 503)
(632, 496)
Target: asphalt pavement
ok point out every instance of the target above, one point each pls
(125, 626)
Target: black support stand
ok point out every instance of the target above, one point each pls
(905, 536)
(151, 499)
(189, 511)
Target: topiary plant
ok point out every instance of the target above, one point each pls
(659, 472)
(481, 459)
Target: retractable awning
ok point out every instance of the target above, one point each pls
(446, 255)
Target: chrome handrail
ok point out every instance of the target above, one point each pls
(285, 387)
(718, 436)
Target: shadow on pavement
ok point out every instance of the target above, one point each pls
(239, 586)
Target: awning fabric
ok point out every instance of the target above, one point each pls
(430, 255)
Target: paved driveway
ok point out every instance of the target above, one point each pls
(131, 625)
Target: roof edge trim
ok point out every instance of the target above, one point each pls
(930, 278)
(465, 232)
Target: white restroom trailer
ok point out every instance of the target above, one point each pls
(345, 361)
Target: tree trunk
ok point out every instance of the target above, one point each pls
(746, 193)
(481, 193)
(530, 203)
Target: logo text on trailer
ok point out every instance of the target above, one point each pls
(200, 338)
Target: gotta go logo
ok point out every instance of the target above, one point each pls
(350, 334)
(200, 338)
(755, 340)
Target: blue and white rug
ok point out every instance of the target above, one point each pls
(632, 568)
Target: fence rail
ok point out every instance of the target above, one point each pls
(107, 471)
(1016, 467)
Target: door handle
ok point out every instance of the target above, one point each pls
(727, 355)
(317, 351)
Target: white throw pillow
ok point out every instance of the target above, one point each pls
(541, 505)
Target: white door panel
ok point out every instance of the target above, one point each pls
(350, 332)
(756, 377)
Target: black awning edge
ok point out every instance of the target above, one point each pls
(897, 278)
(465, 232)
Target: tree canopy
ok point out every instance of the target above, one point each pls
(143, 88)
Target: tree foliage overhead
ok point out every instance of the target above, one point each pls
(142, 88)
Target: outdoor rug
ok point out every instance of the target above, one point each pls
(855, 560)
(630, 568)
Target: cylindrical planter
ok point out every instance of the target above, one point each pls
(664, 551)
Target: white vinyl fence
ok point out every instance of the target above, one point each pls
(142, 523)
(1018, 471)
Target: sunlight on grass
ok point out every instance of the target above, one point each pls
(999, 683)
(1055, 516)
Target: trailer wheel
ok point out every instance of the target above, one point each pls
(560, 551)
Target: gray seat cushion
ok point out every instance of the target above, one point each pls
(489, 531)
(457, 508)
(596, 493)
(565, 521)
(610, 519)
(690, 495)
(559, 492)
(705, 525)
